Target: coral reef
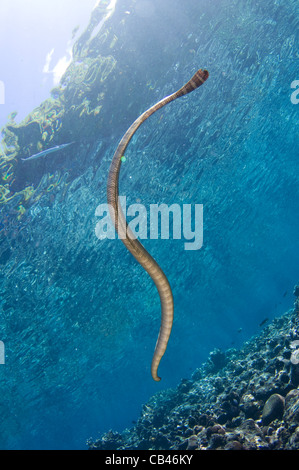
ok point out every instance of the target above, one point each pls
(240, 400)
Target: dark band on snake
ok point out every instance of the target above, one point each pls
(127, 236)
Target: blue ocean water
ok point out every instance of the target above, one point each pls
(79, 317)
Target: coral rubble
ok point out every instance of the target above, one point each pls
(238, 400)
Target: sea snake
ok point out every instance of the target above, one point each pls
(127, 236)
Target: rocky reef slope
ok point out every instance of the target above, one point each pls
(243, 400)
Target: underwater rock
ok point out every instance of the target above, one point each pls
(273, 408)
(292, 407)
(192, 443)
(216, 360)
(238, 400)
(233, 445)
(110, 441)
(250, 406)
(295, 374)
(216, 441)
(185, 386)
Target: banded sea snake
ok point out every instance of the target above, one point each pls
(127, 236)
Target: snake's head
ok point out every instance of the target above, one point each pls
(204, 74)
(198, 79)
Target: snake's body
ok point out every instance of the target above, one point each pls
(127, 236)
